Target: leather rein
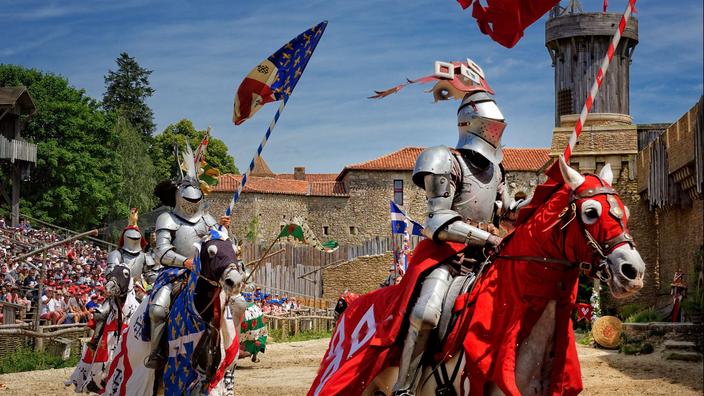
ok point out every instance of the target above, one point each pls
(598, 271)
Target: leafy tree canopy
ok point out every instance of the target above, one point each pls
(137, 170)
(179, 134)
(126, 91)
(77, 175)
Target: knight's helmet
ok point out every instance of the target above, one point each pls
(189, 203)
(131, 239)
(480, 125)
(185, 196)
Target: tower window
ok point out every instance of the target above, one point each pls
(398, 192)
(564, 102)
(326, 230)
(353, 230)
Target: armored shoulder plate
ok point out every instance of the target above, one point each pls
(434, 160)
(114, 258)
(166, 221)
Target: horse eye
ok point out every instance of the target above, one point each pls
(591, 211)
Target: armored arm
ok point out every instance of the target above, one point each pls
(164, 253)
(436, 173)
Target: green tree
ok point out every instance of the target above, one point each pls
(75, 181)
(137, 169)
(179, 134)
(126, 91)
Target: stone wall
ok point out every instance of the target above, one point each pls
(360, 275)
(347, 220)
(681, 235)
(642, 224)
(522, 182)
(270, 210)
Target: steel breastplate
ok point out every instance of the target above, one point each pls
(476, 193)
(187, 235)
(135, 262)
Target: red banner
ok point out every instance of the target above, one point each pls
(351, 358)
(584, 311)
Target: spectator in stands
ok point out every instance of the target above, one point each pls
(69, 317)
(49, 308)
(76, 307)
(27, 301)
(13, 295)
(5, 276)
(93, 303)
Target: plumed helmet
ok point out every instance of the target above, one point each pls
(131, 239)
(480, 125)
(185, 196)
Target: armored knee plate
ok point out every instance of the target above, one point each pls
(158, 313)
(427, 309)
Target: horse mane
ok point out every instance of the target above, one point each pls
(542, 193)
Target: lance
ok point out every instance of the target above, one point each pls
(598, 80)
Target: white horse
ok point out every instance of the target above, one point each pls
(90, 373)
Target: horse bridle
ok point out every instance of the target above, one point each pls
(600, 270)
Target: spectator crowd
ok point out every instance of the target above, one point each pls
(74, 281)
(272, 304)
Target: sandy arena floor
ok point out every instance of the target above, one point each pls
(288, 369)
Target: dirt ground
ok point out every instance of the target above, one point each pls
(288, 369)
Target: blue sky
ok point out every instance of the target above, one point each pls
(201, 50)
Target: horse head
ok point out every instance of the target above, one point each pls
(118, 280)
(603, 219)
(219, 265)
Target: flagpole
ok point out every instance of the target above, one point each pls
(598, 80)
(262, 144)
(264, 256)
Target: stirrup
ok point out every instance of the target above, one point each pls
(403, 393)
(154, 361)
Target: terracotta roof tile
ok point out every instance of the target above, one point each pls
(230, 183)
(525, 159)
(403, 159)
(311, 177)
(274, 185)
(515, 159)
(328, 189)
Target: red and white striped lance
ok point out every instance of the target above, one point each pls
(599, 78)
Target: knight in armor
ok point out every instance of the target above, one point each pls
(463, 187)
(177, 232)
(129, 252)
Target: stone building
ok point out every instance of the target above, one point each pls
(353, 205)
(670, 166)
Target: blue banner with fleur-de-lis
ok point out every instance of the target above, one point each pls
(184, 330)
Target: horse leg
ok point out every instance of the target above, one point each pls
(533, 361)
(382, 384)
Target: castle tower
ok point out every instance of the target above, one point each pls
(577, 42)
